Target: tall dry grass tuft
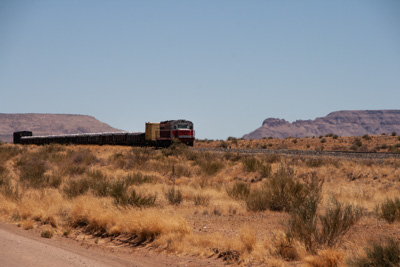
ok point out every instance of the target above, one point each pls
(325, 258)
(248, 237)
(44, 206)
(100, 215)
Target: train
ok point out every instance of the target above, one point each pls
(160, 134)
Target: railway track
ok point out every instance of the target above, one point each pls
(289, 152)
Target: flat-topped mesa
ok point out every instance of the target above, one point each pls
(343, 123)
(272, 122)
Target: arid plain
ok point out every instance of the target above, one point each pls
(256, 209)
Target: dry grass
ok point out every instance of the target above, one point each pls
(73, 190)
(381, 143)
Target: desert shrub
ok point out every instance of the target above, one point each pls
(314, 162)
(250, 164)
(51, 152)
(201, 200)
(284, 192)
(390, 210)
(211, 168)
(77, 162)
(366, 137)
(335, 136)
(122, 197)
(398, 138)
(264, 170)
(47, 233)
(239, 190)
(175, 149)
(209, 163)
(323, 140)
(356, 144)
(379, 254)
(234, 157)
(138, 178)
(272, 158)
(180, 170)
(138, 156)
(174, 196)
(74, 170)
(224, 144)
(3, 174)
(76, 187)
(394, 134)
(336, 222)
(257, 200)
(81, 156)
(324, 230)
(383, 146)
(8, 152)
(32, 171)
(233, 140)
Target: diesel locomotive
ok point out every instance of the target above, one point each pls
(157, 135)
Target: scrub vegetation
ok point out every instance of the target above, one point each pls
(271, 210)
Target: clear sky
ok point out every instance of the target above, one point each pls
(226, 65)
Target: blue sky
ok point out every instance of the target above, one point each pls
(225, 65)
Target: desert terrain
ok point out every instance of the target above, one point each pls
(213, 207)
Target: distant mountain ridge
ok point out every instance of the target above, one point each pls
(48, 124)
(342, 123)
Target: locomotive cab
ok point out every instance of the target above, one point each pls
(177, 129)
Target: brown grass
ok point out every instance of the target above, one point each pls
(212, 218)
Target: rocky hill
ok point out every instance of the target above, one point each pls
(47, 124)
(342, 123)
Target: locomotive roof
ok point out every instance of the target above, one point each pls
(177, 121)
(82, 134)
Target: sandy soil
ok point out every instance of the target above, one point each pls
(26, 248)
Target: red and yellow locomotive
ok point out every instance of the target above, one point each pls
(157, 134)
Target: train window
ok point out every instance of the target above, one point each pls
(183, 126)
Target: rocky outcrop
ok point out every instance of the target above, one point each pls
(342, 123)
(47, 124)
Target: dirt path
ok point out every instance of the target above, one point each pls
(26, 248)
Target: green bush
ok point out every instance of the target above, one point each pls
(239, 190)
(390, 210)
(174, 196)
(379, 254)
